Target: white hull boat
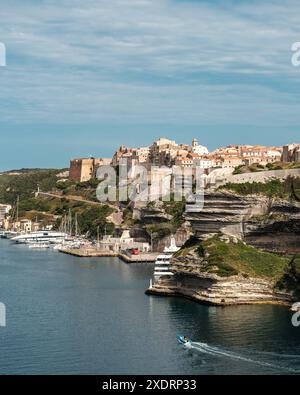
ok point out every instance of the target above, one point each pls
(42, 236)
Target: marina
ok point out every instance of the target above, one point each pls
(149, 192)
(58, 307)
(83, 248)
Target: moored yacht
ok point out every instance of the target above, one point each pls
(9, 234)
(162, 262)
(42, 236)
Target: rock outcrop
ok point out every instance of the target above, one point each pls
(154, 213)
(182, 234)
(222, 270)
(215, 290)
(271, 224)
(225, 212)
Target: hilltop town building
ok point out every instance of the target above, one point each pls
(163, 152)
(167, 153)
(84, 169)
(291, 153)
(198, 149)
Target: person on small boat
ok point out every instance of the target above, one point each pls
(183, 339)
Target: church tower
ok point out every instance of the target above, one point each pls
(195, 143)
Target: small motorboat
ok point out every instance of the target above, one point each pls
(184, 340)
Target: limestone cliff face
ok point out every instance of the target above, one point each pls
(212, 289)
(182, 234)
(271, 224)
(223, 270)
(154, 213)
(161, 223)
(225, 212)
(278, 231)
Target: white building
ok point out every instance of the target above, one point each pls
(199, 149)
(274, 155)
(4, 210)
(203, 163)
(125, 242)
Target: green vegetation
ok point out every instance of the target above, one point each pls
(288, 189)
(256, 167)
(94, 218)
(128, 216)
(89, 217)
(176, 209)
(159, 231)
(266, 218)
(87, 189)
(290, 281)
(25, 184)
(232, 258)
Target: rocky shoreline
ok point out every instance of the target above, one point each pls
(223, 270)
(214, 290)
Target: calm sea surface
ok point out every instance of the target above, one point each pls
(70, 315)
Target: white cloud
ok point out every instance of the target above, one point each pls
(145, 60)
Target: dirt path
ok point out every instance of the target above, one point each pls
(116, 217)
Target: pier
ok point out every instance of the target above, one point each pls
(94, 252)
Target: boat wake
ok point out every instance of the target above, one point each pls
(253, 358)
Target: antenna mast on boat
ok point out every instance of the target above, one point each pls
(70, 222)
(63, 225)
(98, 239)
(17, 211)
(76, 225)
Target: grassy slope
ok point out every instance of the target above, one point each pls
(288, 189)
(243, 259)
(237, 258)
(161, 230)
(256, 167)
(291, 278)
(24, 185)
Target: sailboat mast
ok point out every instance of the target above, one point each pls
(76, 225)
(17, 213)
(70, 222)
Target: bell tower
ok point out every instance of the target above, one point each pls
(195, 143)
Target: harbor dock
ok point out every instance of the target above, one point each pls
(94, 252)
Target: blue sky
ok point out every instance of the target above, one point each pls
(85, 76)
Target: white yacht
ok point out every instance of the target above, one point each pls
(9, 234)
(162, 262)
(42, 236)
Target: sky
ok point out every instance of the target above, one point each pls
(83, 77)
